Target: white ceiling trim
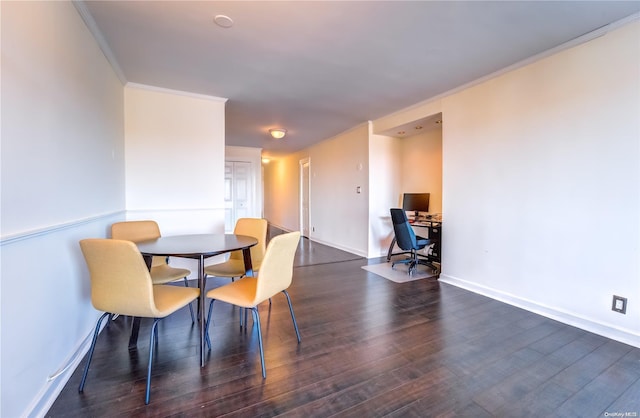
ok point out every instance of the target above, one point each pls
(177, 92)
(99, 37)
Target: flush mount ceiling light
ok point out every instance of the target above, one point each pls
(278, 133)
(223, 21)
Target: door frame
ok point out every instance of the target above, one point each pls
(305, 188)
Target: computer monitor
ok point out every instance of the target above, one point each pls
(415, 202)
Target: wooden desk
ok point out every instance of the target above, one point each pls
(199, 247)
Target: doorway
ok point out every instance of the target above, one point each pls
(237, 192)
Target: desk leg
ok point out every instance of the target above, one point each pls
(201, 321)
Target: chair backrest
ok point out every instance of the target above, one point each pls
(252, 227)
(405, 236)
(137, 231)
(276, 272)
(120, 279)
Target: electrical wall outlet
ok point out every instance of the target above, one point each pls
(619, 304)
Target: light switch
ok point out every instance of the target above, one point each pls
(619, 304)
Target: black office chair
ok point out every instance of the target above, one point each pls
(408, 241)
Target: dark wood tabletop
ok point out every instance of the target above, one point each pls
(196, 245)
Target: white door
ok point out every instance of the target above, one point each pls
(237, 192)
(305, 166)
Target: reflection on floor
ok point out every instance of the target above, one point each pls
(399, 273)
(311, 253)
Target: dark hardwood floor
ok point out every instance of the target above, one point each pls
(370, 347)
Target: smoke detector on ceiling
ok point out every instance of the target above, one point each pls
(223, 21)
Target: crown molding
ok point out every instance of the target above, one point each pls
(81, 7)
(176, 92)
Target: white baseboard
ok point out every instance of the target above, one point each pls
(54, 385)
(328, 244)
(341, 247)
(280, 227)
(618, 334)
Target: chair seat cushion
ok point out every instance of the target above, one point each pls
(240, 293)
(422, 242)
(164, 274)
(230, 268)
(170, 298)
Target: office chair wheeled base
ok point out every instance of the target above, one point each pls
(413, 262)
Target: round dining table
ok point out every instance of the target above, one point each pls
(199, 247)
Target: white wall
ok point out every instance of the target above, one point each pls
(175, 157)
(542, 185)
(175, 162)
(62, 179)
(57, 108)
(339, 216)
(282, 191)
(421, 162)
(385, 172)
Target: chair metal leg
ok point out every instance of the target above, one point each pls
(206, 324)
(152, 340)
(193, 317)
(256, 319)
(93, 346)
(243, 318)
(293, 317)
(243, 311)
(233, 279)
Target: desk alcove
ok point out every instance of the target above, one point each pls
(426, 228)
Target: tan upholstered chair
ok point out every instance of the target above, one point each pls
(234, 266)
(276, 273)
(121, 284)
(161, 271)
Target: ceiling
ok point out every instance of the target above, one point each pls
(319, 68)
